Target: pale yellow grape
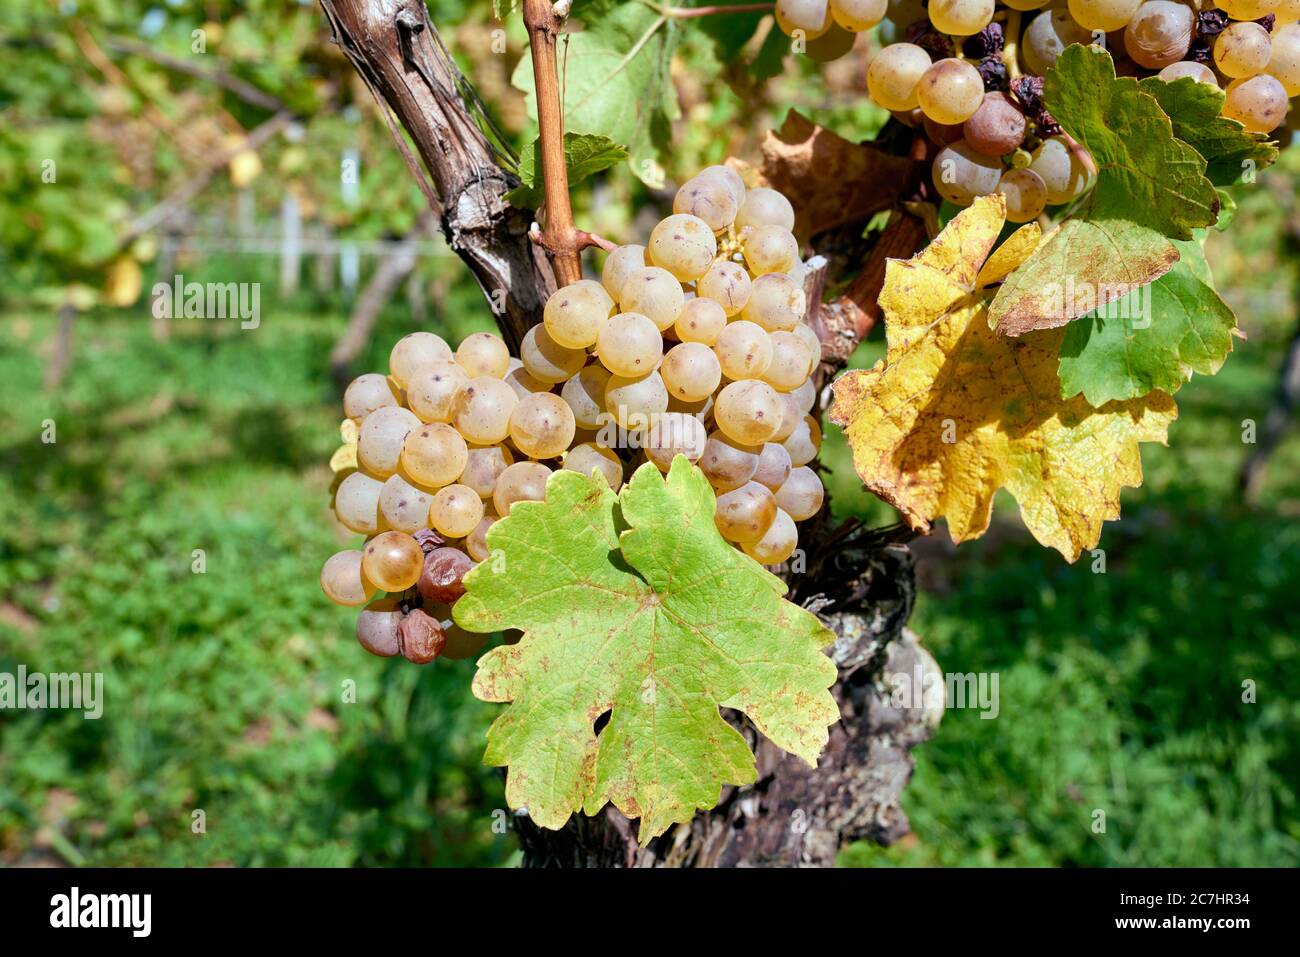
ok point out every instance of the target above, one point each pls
(765, 207)
(483, 466)
(728, 176)
(858, 15)
(684, 245)
(589, 457)
(356, 502)
(744, 350)
(481, 354)
(778, 542)
(1159, 33)
(343, 580)
(1106, 15)
(1046, 36)
(960, 18)
(366, 393)
(805, 397)
(894, 74)
(701, 320)
(950, 91)
(726, 283)
(1025, 192)
(960, 173)
(1246, 9)
(634, 401)
(525, 383)
(585, 395)
(1288, 11)
(791, 362)
(433, 392)
(673, 434)
(726, 463)
(744, 514)
(791, 416)
(811, 17)
(655, 293)
(801, 494)
(773, 466)
(546, 360)
(618, 265)
(521, 482)
(804, 441)
(405, 506)
(691, 371)
(483, 412)
(776, 302)
(380, 438)
(708, 197)
(415, 352)
(1284, 64)
(749, 411)
(456, 511)
(393, 561)
(1259, 103)
(435, 453)
(575, 313)
(476, 542)
(1242, 49)
(630, 345)
(1197, 71)
(814, 344)
(1061, 170)
(542, 425)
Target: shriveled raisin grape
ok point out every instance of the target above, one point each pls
(443, 575)
(420, 637)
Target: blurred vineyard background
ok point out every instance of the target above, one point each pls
(1120, 691)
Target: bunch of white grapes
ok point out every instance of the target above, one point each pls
(693, 344)
(970, 73)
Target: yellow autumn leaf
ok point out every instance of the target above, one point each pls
(954, 412)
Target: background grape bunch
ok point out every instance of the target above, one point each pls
(693, 344)
(970, 72)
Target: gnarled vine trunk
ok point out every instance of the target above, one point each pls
(860, 582)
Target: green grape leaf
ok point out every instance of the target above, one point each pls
(1151, 188)
(616, 80)
(1155, 337)
(584, 155)
(635, 605)
(1233, 155)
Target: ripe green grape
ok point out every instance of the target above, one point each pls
(1105, 15)
(1197, 71)
(701, 321)
(634, 401)
(804, 442)
(777, 543)
(894, 74)
(415, 352)
(393, 561)
(773, 466)
(1259, 103)
(524, 383)
(726, 463)
(575, 313)
(377, 626)
(483, 412)
(776, 302)
(1242, 49)
(791, 362)
(684, 245)
(1159, 33)
(961, 18)
(379, 443)
(521, 482)
(950, 90)
(1046, 36)
(745, 514)
(691, 371)
(801, 494)
(765, 207)
(542, 425)
(960, 174)
(404, 505)
(476, 541)
(858, 15)
(456, 511)
(433, 391)
(630, 345)
(672, 434)
(749, 411)
(655, 293)
(483, 466)
(356, 503)
(725, 283)
(344, 581)
(1284, 63)
(366, 393)
(546, 360)
(589, 457)
(711, 198)
(619, 264)
(585, 395)
(435, 454)
(483, 354)
(813, 17)
(1061, 170)
(1025, 193)
(996, 128)
(744, 350)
